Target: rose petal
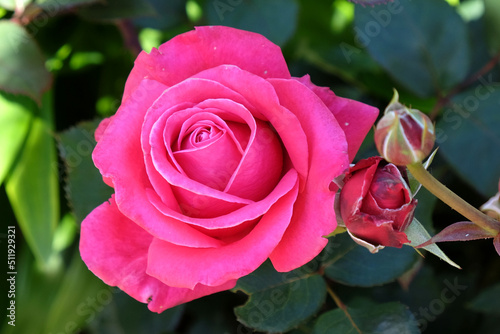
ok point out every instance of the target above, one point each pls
(181, 266)
(261, 166)
(355, 191)
(388, 188)
(103, 125)
(115, 249)
(99, 132)
(314, 216)
(208, 164)
(267, 106)
(354, 117)
(377, 231)
(204, 48)
(197, 199)
(248, 212)
(118, 156)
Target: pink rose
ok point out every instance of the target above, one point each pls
(219, 160)
(376, 203)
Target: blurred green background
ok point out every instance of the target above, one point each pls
(63, 65)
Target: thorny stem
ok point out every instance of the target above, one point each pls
(454, 201)
(342, 306)
(467, 82)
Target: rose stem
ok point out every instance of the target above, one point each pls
(342, 306)
(455, 202)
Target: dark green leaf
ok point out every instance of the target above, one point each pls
(85, 188)
(425, 207)
(33, 187)
(15, 117)
(22, 63)
(213, 314)
(167, 14)
(370, 2)
(126, 315)
(117, 9)
(352, 264)
(277, 20)
(488, 301)
(388, 318)
(492, 19)
(325, 39)
(480, 52)
(279, 301)
(469, 138)
(422, 44)
(52, 7)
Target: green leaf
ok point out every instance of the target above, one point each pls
(492, 20)
(168, 14)
(33, 187)
(117, 9)
(425, 208)
(62, 301)
(370, 2)
(15, 117)
(488, 301)
(417, 235)
(79, 298)
(121, 315)
(279, 301)
(53, 7)
(85, 188)
(422, 44)
(388, 318)
(325, 39)
(204, 318)
(65, 233)
(23, 65)
(277, 20)
(35, 289)
(468, 136)
(354, 265)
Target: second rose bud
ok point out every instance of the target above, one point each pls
(376, 203)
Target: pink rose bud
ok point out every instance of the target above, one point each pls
(404, 136)
(376, 203)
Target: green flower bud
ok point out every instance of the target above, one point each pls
(404, 136)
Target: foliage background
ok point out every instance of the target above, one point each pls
(63, 65)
